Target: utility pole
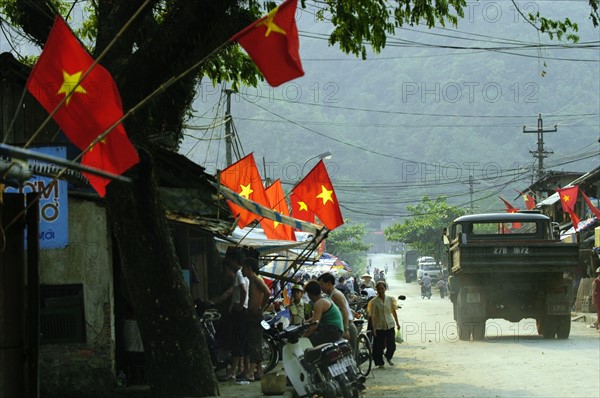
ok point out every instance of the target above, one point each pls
(471, 182)
(540, 154)
(228, 129)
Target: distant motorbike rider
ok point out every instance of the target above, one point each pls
(426, 281)
(426, 284)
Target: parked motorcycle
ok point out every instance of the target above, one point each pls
(272, 345)
(328, 370)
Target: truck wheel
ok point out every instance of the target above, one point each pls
(479, 330)
(464, 328)
(549, 325)
(464, 331)
(563, 327)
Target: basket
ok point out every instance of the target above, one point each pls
(273, 384)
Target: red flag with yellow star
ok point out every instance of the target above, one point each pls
(568, 199)
(243, 178)
(317, 192)
(300, 210)
(509, 208)
(274, 229)
(92, 107)
(528, 199)
(272, 43)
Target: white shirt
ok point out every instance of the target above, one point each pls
(381, 312)
(370, 292)
(239, 280)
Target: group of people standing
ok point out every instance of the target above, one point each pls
(249, 298)
(321, 301)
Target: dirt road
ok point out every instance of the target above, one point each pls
(513, 361)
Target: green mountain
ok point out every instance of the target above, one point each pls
(432, 109)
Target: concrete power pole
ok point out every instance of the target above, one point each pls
(228, 130)
(540, 154)
(471, 182)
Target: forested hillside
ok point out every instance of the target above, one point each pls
(435, 107)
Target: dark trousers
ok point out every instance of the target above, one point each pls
(384, 339)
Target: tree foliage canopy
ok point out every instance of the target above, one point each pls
(423, 230)
(347, 243)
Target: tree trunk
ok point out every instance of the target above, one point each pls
(146, 56)
(179, 361)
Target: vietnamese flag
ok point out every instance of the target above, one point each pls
(90, 108)
(274, 229)
(528, 199)
(272, 43)
(300, 210)
(568, 199)
(243, 178)
(509, 208)
(593, 208)
(317, 192)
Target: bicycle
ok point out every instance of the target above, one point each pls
(364, 348)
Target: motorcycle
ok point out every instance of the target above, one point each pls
(272, 344)
(327, 370)
(425, 291)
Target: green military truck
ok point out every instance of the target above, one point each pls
(509, 266)
(411, 265)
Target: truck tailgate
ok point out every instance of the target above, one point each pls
(514, 256)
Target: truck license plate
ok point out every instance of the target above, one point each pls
(473, 297)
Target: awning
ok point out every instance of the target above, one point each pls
(549, 201)
(256, 238)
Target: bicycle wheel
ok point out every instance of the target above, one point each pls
(269, 354)
(363, 354)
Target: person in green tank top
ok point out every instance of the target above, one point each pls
(329, 325)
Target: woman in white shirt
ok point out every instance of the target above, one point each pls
(382, 312)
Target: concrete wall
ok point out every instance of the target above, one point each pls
(82, 369)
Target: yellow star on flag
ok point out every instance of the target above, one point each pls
(302, 206)
(102, 141)
(70, 81)
(269, 22)
(566, 198)
(275, 223)
(246, 191)
(325, 195)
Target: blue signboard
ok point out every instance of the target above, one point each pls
(53, 204)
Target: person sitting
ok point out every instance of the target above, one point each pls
(328, 326)
(298, 308)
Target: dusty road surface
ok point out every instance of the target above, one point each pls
(513, 361)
